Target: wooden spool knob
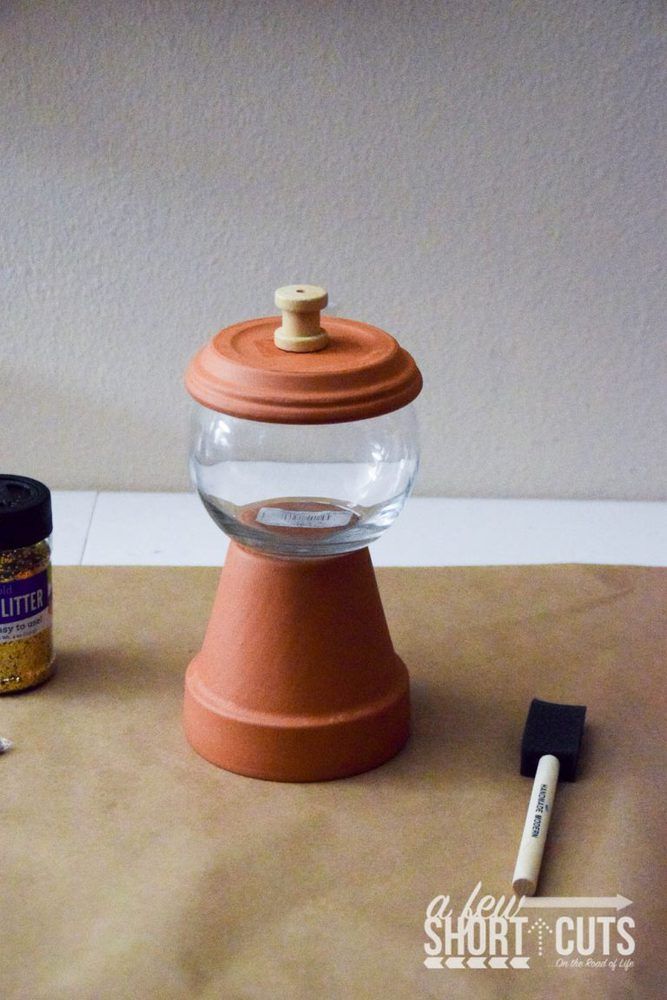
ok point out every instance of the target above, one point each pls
(300, 330)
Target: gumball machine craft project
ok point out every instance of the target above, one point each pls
(304, 450)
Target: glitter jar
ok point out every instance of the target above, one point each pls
(26, 641)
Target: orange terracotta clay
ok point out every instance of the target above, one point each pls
(297, 679)
(363, 372)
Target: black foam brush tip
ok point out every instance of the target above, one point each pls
(552, 729)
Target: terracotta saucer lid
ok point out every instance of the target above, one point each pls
(303, 369)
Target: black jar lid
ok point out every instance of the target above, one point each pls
(25, 512)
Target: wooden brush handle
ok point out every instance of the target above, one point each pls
(531, 849)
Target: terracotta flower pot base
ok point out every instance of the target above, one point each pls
(297, 678)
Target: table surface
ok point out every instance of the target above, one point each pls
(133, 868)
(173, 529)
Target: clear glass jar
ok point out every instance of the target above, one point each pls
(304, 490)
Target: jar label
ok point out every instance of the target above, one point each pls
(304, 518)
(24, 607)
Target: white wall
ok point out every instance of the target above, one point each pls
(482, 179)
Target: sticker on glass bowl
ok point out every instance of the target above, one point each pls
(277, 517)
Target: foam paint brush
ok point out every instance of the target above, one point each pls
(549, 750)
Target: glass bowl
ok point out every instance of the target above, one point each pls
(304, 490)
